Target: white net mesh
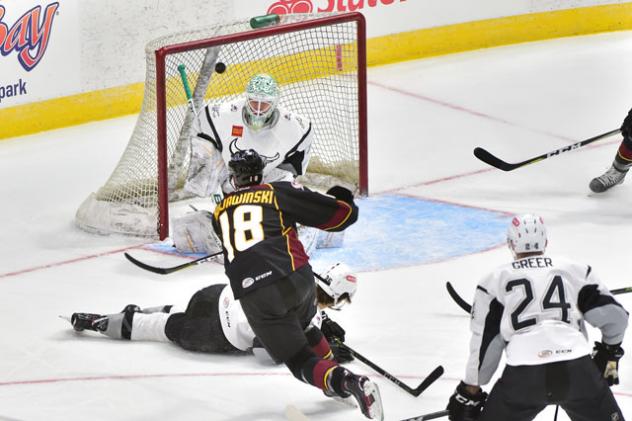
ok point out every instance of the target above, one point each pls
(317, 70)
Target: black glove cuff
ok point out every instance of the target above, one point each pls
(462, 390)
(341, 193)
(614, 351)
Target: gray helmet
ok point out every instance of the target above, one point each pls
(262, 96)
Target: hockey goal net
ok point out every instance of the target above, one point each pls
(320, 65)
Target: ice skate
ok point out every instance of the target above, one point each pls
(609, 179)
(88, 321)
(366, 394)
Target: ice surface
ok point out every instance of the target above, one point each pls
(425, 118)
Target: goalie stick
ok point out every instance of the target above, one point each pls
(431, 416)
(166, 271)
(494, 161)
(468, 308)
(431, 378)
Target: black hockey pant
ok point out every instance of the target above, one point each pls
(199, 327)
(279, 313)
(575, 385)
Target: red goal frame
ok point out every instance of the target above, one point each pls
(162, 53)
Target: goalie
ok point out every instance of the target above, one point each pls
(281, 137)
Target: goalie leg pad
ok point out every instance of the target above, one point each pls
(193, 233)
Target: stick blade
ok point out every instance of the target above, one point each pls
(457, 298)
(492, 160)
(145, 266)
(431, 378)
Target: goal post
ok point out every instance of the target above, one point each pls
(319, 62)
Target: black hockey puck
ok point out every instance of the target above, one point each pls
(220, 67)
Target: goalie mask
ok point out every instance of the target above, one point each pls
(526, 234)
(246, 168)
(339, 283)
(262, 96)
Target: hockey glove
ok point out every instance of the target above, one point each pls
(332, 330)
(626, 127)
(341, 193)
(607, 357)
(464, 405)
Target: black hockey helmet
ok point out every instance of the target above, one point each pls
(246, 168)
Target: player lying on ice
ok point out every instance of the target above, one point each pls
(535, 309)
(204, 326)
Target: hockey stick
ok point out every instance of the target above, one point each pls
(457, 298)
(166, 271)
(436, 373)
(468, 308)
(189, 94)
(494, 161)
(431, 416)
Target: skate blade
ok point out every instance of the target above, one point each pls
(67, 318)
(376, 411)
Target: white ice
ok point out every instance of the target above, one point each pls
(425, 118)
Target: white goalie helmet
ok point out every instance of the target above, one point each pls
(339, 283)
(526, 234)
(262, 96)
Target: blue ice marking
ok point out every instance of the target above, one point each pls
(396, 231)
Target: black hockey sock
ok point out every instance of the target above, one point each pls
(319, 344)
(323, 374)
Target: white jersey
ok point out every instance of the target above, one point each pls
(235, 325)
(534, 308)
(285, 145)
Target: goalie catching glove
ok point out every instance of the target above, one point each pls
(465, 405)
(606, 358)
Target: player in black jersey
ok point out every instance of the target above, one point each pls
(621, 163)
(270, 274)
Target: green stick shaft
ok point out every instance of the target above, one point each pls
(185, 81)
